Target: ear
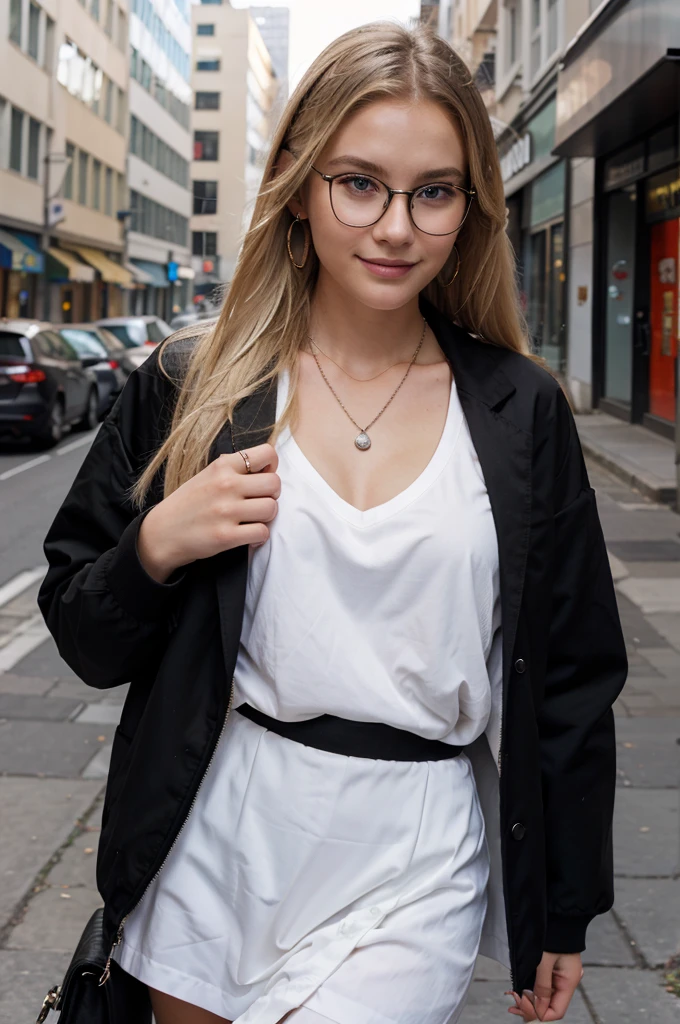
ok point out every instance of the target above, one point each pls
(284, 162)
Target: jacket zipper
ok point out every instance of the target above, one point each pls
(106, 974)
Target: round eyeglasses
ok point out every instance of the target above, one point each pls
(360, 200)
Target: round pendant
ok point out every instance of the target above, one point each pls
(362, 441)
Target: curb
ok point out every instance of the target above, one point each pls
(664, 494)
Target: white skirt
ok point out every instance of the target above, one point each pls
(356, 887)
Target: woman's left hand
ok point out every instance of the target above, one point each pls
(557, 978)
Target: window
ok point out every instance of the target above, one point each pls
(120, 107)
(206, 145)
(211, 1)
(204, 243)
(94, 10)
(146, 75)
(108, 103)
(553, 25)
(108, 23)
(33, 30)
(108, 192)
(512, 25)
(96, 184)
(205, 197)
(205, 30)
(150, 218)
(133, 62)
(207, 101)
(48, 55)
(15, 21)
(68, 177)
(207, 65)
(83, 168)
(16, 139)
(122, 31)
(33, 148)
(535, 52)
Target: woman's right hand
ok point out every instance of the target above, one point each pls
(220, 508)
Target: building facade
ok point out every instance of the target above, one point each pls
(274, 27)
(234, 92)
(159, 161)
(63, 139)
(618, 120)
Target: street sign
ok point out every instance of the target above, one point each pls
(173, 269)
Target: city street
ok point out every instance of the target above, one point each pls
(55, 736)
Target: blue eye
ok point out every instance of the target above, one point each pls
(432, 193)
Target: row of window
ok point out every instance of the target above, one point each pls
(154, 151)
(204, 243)
(543, 38)
(22, 141)
(83, 79)
(205, 197)
(150, 218)
(165, 39)
(206, 145)
(91, 183)
(141, 71)
(114, 21)
(32, 30)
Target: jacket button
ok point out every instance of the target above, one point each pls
(518, 831)
(520, 665)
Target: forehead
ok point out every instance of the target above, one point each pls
(400, 136)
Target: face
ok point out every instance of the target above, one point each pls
(407, 144)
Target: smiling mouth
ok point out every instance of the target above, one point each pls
(387, 268)
(386, 263)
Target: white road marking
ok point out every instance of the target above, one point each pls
(25, 465)
(21, 582)
(77, 444)
(22, 640)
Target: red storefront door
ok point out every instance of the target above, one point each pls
(665, 237)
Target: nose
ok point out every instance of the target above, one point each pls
(395, 226)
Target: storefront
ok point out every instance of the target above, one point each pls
(20, 264)
(535, 188)
(639, 202)
(163, 289)
(625, 115)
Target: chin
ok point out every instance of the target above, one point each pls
(385, 295)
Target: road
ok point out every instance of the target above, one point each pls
(55, 736)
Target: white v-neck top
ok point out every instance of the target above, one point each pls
(384, 615)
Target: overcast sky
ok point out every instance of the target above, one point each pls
(315, 23)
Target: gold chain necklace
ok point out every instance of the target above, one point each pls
(359, 380)
(362, 440)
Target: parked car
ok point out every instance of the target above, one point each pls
(43, 385)
(101, 351)
(135, 331)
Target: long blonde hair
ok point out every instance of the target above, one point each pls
(264, 319)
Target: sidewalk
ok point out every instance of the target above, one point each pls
(637, 456)
(55, 736)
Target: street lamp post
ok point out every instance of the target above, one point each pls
(49, 222)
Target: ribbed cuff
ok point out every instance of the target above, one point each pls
(565, 934)
(138, 593)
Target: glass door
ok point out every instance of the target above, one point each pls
(664, 239)
(621, 220)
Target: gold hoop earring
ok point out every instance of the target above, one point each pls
(449, 283)
(305, 251)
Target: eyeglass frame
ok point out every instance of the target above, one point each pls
(330, 178)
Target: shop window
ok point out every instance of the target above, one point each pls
(33, 148)
(205, 197)
(33, 30)
(16, 139)
(662, 148)
(541, 128)
(207, 101)
(15, 19)
(547, 194)
(620, 278)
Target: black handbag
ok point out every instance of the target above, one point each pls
(84, 998)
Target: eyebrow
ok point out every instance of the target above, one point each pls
(367, 165)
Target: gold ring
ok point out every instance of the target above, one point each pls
(244, 456)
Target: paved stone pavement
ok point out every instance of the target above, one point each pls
(55, 736)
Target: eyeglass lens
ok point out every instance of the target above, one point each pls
(359, 200)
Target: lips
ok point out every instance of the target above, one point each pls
(386, 268)
(386, 263)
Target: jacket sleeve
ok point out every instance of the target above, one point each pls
(109, 618)
(586, 670)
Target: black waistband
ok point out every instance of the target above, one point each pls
(355, 739)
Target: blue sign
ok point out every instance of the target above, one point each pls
(173, 269)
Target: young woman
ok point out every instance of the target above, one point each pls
(358, 495)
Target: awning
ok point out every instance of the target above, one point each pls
(155, 271)
(19, 256)
(141, 277)
(112, 273)
(69, 267)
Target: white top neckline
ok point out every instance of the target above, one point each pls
(377, 513)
